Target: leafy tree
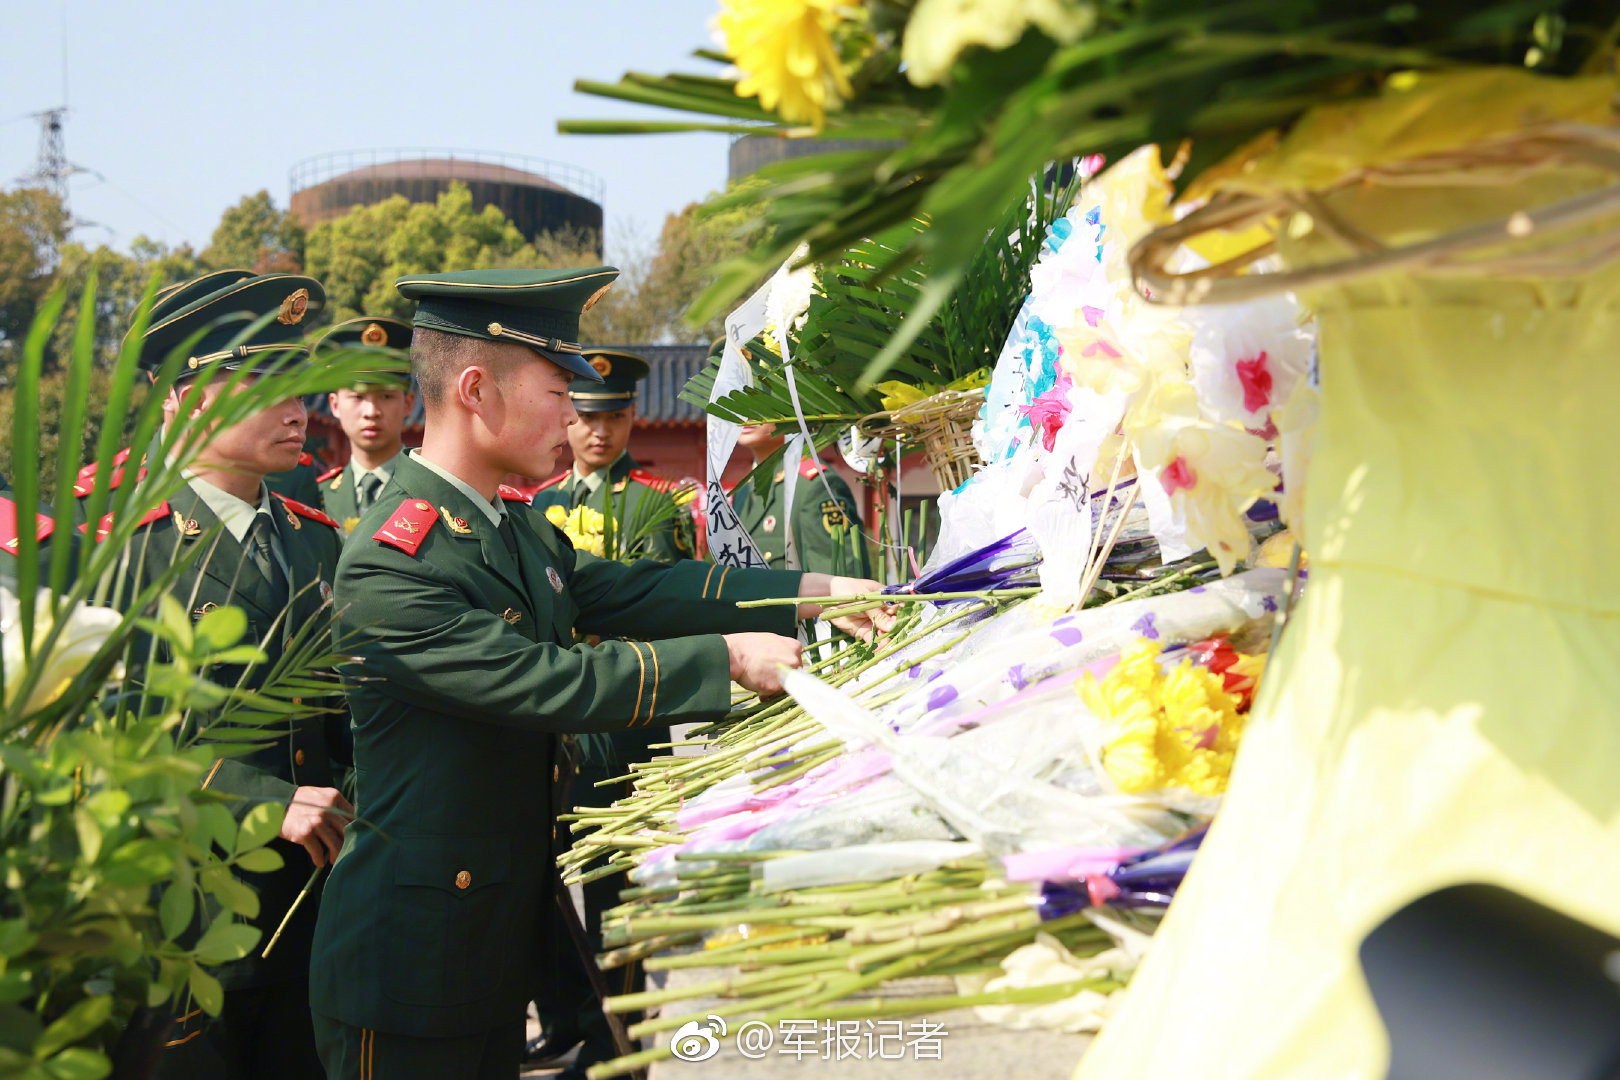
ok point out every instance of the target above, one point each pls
(122, 282)
(359, 255)
(691, 247)
(256, 236)
(33, 226)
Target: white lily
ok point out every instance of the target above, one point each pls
(83, 633)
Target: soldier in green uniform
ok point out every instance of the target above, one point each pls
(268, 555)
(464, 605)
(605, 477)
(297, 483)
(372, 414)
(826, 527)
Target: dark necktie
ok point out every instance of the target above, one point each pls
(366, 493)
(264, 556)
(508, 537)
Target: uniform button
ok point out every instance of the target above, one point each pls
(767, 556)
(298, 757)
(463, 880)
(556, 774)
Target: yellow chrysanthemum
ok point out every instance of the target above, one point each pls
(787, 56)
(1164, 729)
(583, 525)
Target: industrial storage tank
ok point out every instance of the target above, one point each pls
(539, 196)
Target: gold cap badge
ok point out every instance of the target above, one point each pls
(602, 366)
(373, 335)
(293, 308)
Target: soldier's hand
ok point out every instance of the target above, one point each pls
(864, 625)
(310, 822)
(758, 660)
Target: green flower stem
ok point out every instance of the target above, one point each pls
(641, 950)
(721, 955)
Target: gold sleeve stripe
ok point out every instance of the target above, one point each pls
(211, 772)
(635, 712)
(652, 706)
(721, 584)
(704, 595)
(368, 1045)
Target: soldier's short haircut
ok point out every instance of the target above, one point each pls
(437, 359)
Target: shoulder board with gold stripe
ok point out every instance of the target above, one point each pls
(555, 480)
(9, 534)
(307, 511)
(653, 480)
(512, 494)
(328, 474)
(306, 459)
(160, 512)
(83, 488)
(408, 526)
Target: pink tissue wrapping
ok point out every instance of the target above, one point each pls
(1065, 864)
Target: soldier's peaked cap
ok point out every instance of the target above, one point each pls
(620, 371)
(537, 308)
(372, 332)
(223, 307)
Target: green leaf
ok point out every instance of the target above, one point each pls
(176, 624)
(79, 1063)
(175, 910)
(220, 629)
(210, 996)
(262, 860)
(108, 805)
(225, 941)
(15, 985)
(138, 862)
(260, 826)
(19, 1027)
(217, 824)
(15, 937)
(236, 896)
(89, 831)
(74, 1025)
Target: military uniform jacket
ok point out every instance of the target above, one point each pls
(342, 502)
(638, 495)
(467, 671)
(826, 530)
(316, 747)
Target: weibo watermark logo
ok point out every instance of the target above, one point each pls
(698, 1041)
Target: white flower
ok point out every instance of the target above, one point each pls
(1247, 358)
(82, 635)
(1048, 963)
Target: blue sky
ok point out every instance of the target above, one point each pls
(184, 106)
